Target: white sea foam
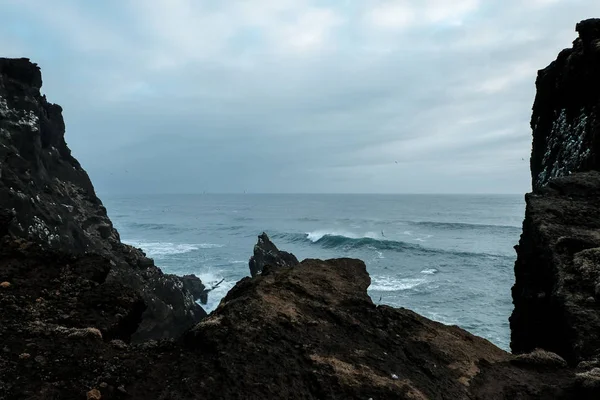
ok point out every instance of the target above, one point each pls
(315, 236)
(238, 261)
(159, 249)
(430, 271)
(440, 318)
(211, 278)
(380, 255)
(210, 245)
(407, 233)
(423, 238)
(391, 284)
(318, 235)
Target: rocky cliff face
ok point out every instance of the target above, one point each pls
(566, 119)
(47, 197)
(557, 288)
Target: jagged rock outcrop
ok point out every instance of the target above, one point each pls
(557, 288)
(266, 254)
(47, 197)
(307, 332)
(566, 111)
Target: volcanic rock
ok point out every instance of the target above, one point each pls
(557, 286)
(266, 254)
(557, 272)
(194, 285)
(47, 197)
(307, 332)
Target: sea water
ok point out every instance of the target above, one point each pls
(447, 257)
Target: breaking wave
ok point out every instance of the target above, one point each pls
(464, 226)
(162, 249)
(370, 240)
(390, 284)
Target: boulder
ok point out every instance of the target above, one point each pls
(194, 285)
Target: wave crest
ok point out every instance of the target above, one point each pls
(162, 249)
(371, 241)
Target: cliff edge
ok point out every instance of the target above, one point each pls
(46, 197)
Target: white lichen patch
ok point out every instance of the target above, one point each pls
(40, 230)
(565, 150)
(5, 134)
(18, 194)
(4, 110)
(29, 119)
(22, 118)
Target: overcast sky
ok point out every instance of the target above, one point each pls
(404, 96)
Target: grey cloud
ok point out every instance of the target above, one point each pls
(334, 121)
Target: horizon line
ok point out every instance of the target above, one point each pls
(308, 194)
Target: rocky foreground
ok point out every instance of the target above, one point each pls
(84, 316)
(310, 331)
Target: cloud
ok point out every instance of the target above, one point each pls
(295, 95)
(401, 14)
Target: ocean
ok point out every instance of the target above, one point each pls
(447, 257)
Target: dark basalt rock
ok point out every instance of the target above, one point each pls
(194, 285)
(557, 286)
(266, 254)
(46, 197)
(556, 294)
(565, 119)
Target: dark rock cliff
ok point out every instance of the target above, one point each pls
(47, 197)
(557, 286)
(557, 289)
(565, 119)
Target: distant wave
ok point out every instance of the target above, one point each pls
(243, 218)
(462, 225)
(233, 228)
(158, 249)
(157, 227)
(161, 249)
(210, 245)
(350, 241)
(430, 271)
(391, 284)
(309, 219)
